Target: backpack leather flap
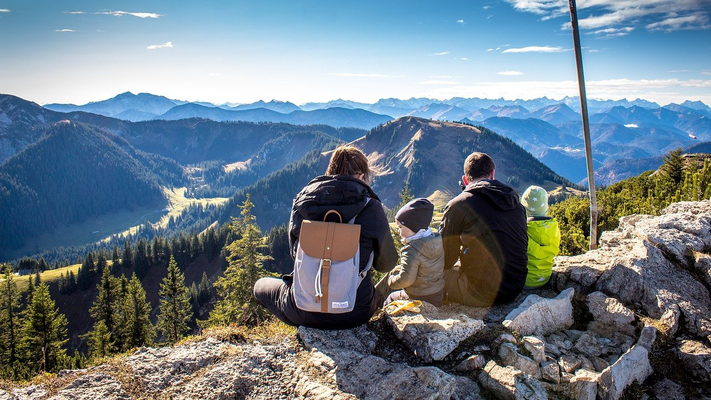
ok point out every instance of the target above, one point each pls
(329, 240)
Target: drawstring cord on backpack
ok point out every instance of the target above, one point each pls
(318, 289)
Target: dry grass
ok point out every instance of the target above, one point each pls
(272, 332)
(49, 276)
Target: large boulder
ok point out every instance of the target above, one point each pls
(433, 333)
(540, 315)
(510, 383)
(645, 264)
(342, 360)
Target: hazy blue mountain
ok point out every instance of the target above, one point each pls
(570, 162)
(336, 117)
(138, 103)
(696, 105)
(556, 114)
(442, 112)
(597, 106)
(511, 111)
(283, 107)
(22, 123)
(335, 103)
(531, 134)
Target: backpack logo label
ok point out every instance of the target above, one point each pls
(339, 304)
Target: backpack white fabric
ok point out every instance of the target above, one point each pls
(326, 268)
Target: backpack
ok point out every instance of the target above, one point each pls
(327, 264)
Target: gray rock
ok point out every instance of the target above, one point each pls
(353, 370)
(696, 356)
(573, 334)
(569, 363)
(632, 367)
(636, 264)
(703, 266)
(647, 337)
(550, 371)
(586, 363)
(506, 338)
(510, 356)
(670, 319)
(158, 368)
(536, 347)
(357, 338)
(466, 389)
(609, 315)
(583, 386)
(432, 334)
(588, 344)
(472, 363)
(668, 390)
(540, 315)
(93, 386)
(510, 383)
(599, 364)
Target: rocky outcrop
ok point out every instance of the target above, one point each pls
(634, 313)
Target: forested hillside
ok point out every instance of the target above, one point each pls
(75, 172)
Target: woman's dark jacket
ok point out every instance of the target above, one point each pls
(348, 196)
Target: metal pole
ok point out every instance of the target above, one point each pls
(586, 124)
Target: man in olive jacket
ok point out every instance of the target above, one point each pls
(485, 241)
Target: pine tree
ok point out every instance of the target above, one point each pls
(236, 302)
(204, 289)
(115, 260)
(175, 310)
(44, 332)
(136, 312)
(100, 341)
(10, 323)
(141, 262)
(106, 306)
(673, 166)
(127, 259)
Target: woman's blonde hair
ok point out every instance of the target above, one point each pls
(349, 161)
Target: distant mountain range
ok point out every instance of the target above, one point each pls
(549, 129)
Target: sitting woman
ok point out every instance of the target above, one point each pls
(345, 188)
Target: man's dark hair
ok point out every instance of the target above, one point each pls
(478, 165)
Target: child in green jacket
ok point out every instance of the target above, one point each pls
(543, 237)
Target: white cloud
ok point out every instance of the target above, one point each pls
(444, 53)
(461, 21)
(73, 12)
(668, 15)
(4, 10)
(706, 73)
(680, 23)
(441, 77)
(535, 49)
(351, 75)
(166, 45)
(64, 30)
(631, 126)
(510, 73)
(464, 59)
(489, 49)
(486, 8)
(608, 33)
(438, 82)
(134, 14)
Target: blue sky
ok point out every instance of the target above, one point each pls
(301, 51)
